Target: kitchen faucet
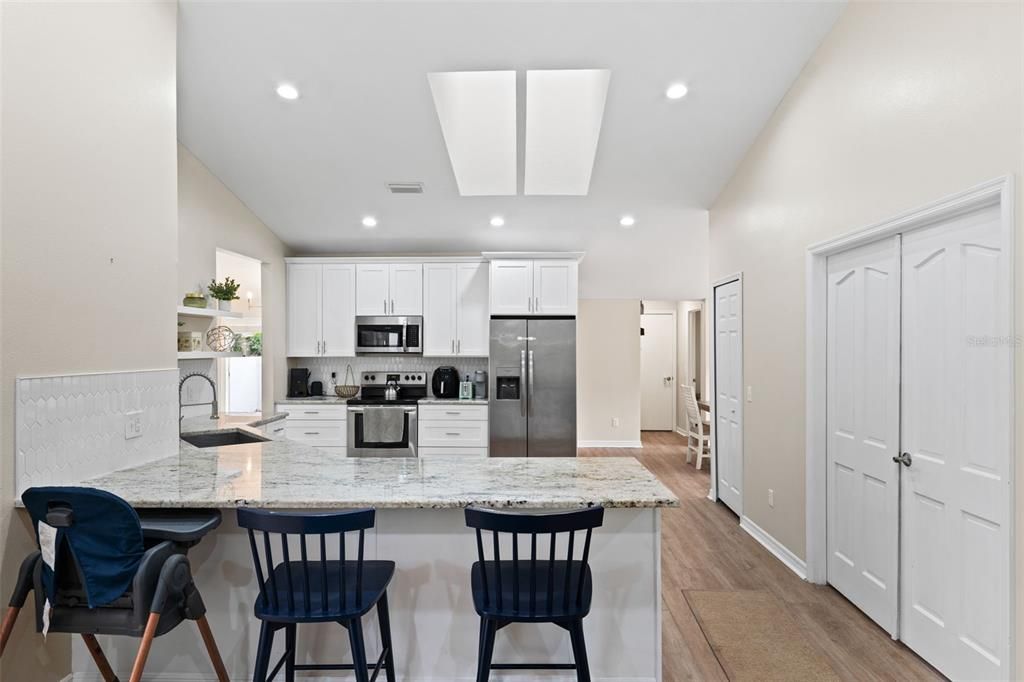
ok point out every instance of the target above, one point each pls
(213, 404)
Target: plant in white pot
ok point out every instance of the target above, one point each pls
(224, 292)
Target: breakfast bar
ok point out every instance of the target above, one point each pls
(420, 525)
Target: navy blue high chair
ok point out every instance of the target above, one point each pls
(316, 589)
(532, 589)
(105, 573)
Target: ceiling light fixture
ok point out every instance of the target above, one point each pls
(497, 221)
(369, 221)
(287, 91)
(627, 221)
(677, 91)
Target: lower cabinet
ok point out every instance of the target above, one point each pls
(453, 430)
(320, 426)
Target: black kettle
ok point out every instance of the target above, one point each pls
(445, 382)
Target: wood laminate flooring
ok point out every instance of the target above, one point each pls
(703, 548)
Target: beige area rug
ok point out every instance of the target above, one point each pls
(755, 638)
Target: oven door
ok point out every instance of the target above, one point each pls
(389, 334)
(358, 446)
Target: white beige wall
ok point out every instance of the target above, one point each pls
(211, 217)
(89, 223)
(608, 371)
(903, 103)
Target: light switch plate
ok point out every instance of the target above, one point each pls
(132, 424)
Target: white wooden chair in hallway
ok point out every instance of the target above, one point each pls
(698, 431)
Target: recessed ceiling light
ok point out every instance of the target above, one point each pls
(287, 91)
(369, 221)
(627, 221)
(677, 91)
(497, 221)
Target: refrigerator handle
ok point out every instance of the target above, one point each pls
(531, 382)
(522, 373)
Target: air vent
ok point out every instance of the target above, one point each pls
(405, 187)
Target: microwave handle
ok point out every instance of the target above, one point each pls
(405, 336)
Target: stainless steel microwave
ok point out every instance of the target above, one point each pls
(389, 334)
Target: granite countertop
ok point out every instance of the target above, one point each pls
(452, 401)
(283, 474)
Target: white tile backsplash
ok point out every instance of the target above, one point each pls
(320, 368)
(70, 428)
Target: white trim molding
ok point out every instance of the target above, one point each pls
(999, 191)
(778, 550)
(634, 444)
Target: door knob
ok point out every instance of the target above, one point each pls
(668, 378)
(903, 458)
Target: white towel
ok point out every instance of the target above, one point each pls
(383, 424)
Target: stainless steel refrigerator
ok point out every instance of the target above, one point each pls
(533, 387)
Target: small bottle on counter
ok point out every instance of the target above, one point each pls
(466, 389)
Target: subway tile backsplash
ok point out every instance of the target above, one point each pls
(70, 428)
(320, 368)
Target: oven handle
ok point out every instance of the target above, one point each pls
(361, 410)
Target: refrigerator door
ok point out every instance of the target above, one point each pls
(508, 390)
(551, 388)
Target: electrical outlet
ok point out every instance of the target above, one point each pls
(132, 424)
(750, 394)
(615, 422)
(771, 498)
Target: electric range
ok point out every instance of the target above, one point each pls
(374, 385)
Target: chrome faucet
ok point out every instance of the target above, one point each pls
(213, 405)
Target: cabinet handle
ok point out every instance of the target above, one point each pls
(311, 433)
(453, 346)
(385, 306)
(392, 306)
(529, 304)
(310, 413)
(458, 346)
(452, 433)
(279, 430)
(325, 348)
(453, 413)
(536, 304)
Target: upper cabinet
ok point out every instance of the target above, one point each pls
(534, 287)
(321, 300)
(455, 318)
(389, 289)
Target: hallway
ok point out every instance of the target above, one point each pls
(704, 552)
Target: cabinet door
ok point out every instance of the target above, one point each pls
(303, 309)
(511, 287)
(372, 289)
(473, 337)
(338, 308)
(406, 289)
(439, 309)
(554, 287)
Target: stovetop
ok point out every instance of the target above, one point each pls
(373, 385)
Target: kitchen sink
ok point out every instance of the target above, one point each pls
(220, 438)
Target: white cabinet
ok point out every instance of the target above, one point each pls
(320, 309)
(320, 426)
(389, 289)
(534, 287)
(453, 430)
(455, 318)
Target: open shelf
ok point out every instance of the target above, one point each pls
(186, 311)
(206, 355)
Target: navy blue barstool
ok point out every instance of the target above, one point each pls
(532, 588)
(315, 589)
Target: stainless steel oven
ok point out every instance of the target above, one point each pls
(358, 446)
(389, 334)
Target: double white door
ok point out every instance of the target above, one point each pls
(728, 407)
(919, 428)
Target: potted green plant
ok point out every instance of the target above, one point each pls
(224, 292)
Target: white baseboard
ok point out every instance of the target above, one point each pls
(779, 550)
(682, 432)
(609, 444)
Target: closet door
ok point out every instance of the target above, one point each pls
(956, 429)
(728, 394)
(863, 427)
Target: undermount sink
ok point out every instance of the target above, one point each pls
(221, 438)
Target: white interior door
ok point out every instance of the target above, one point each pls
(863, 427)
(728, 407)
(956, 427)
(657, 372)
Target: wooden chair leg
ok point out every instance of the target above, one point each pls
(99, 658)
(579, 651)
(355, 638)
(8, 626)
(144, 646)
(262, 667)
(488, 629)
(211, 649)
(384, 619)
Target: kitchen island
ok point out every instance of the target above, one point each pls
(420, 526)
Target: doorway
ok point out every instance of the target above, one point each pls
(658, 370)
(910, 463)
(241, 374)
